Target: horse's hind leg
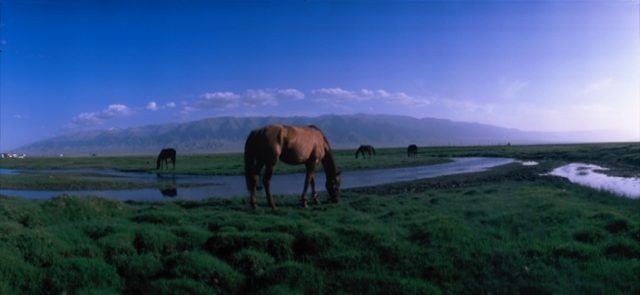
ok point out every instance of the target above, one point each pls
(252, 175)
(314, 195)
(266, 181)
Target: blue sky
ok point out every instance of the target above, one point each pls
(533, 65)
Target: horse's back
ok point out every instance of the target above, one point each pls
(290, 144)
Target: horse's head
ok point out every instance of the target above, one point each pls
(333, 187)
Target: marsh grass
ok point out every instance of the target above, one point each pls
(508, 230)
(503, 231)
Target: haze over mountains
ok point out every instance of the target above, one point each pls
(228, 134)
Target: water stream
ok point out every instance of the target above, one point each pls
(588, 175)
(202, 187)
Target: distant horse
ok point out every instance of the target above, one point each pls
(164, 157)
(294, 146)
(412, 150)
(365, 150)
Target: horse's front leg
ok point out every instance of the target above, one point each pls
(307, 179)
(266, 182)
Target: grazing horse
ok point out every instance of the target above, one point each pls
(412, 150)
(294, 146)
(365, 150)
(164, 157)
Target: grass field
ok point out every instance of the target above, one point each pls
(508, 230)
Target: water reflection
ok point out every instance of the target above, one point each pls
(588, 175)
(168, 185)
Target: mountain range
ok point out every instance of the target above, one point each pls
(227, 134)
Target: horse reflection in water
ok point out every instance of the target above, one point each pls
(167, 184)
(294, 146)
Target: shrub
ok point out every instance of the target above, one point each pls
(340, 259)
(314, 241)
(157, 218)
(117, 244)
(72, 274)
(573, 251)
(591, 236)
(191, 237)
(67, 208)
(622, 249)
(278, 245)
(137, 270)
(180, 286)
(294, 275)
(153, 240)
(37, 247)
(252, 263)
(617, 225)
(201, 266)
(383, 283)
(18, 275)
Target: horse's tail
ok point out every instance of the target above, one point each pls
(250, 166)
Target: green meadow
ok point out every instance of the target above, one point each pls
(508, 230)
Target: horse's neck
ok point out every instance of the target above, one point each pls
(329, 164)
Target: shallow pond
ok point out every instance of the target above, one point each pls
(588, 175)
(202, 187)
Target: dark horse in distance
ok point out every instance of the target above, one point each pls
(365, 150)
(164, 157)
(294, 146)
(412, 150)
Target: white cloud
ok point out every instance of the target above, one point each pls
(152, 106)
(216, 100)
(466, 106)
(170, 105)
(339, 95)
(293, 94)
(597, 86)
(511, 88)
(99, 118)
(250, 98)
(259, 97)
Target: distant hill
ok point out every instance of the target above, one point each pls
(227, 134)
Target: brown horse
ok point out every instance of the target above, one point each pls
(365, 150)
(164, 157)
(412, 150)
(294, 146)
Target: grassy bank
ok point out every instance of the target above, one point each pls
(624, 158)
(503, 231)
(217, 164)
(620, 155)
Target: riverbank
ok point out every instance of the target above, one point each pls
(507, 230)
